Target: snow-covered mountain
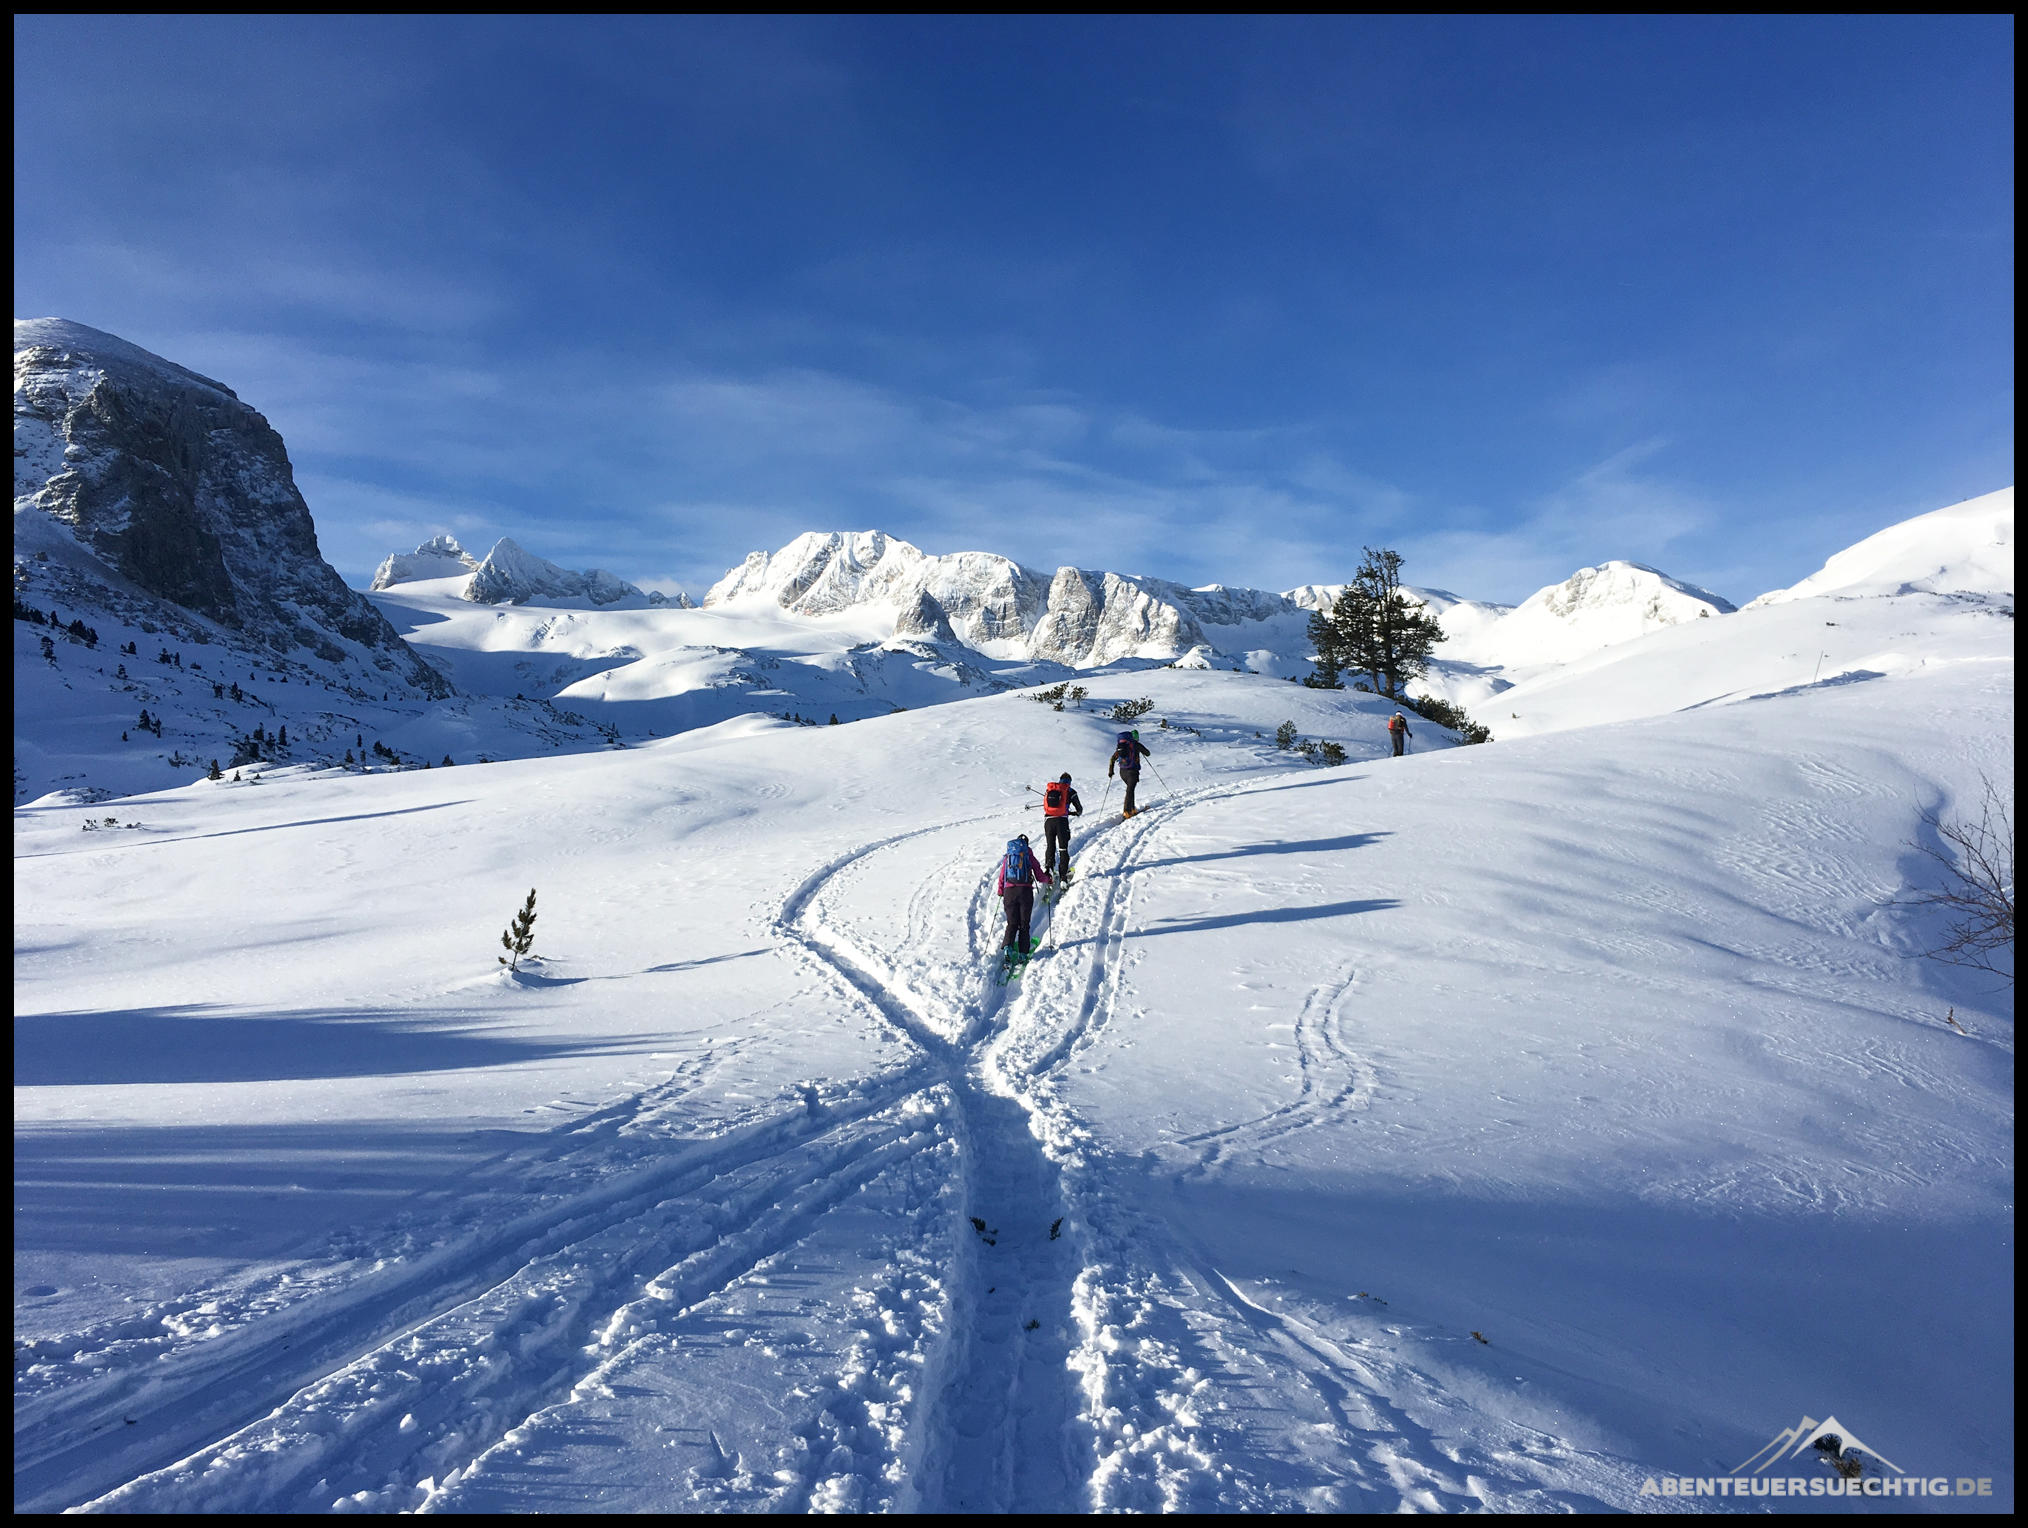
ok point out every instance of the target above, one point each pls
(439, 557)
(140, 483)
(1592, 609)
(510, 575)
(1964, 549)
(1075, 617)
(155, 507)
(172, 607)
(1932, 592)
(1086, 619)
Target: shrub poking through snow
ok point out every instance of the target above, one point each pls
(1977, 893)
(519, 937)
(1128, 710)
(1445, 714)
(1285, 736)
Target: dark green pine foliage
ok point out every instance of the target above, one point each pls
(519, 937)
(1325, 676)
(1377, 630)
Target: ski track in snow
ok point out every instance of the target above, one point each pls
(1332, 1077)
(1027, 1341)
(441, 1388)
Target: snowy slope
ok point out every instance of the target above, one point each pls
(1934, 591)
(1966, 548)
(1594, 608)
(1495, 1127)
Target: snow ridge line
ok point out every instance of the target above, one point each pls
(201, 1391)
(451, 1387)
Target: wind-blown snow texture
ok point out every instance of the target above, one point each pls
(1493, 1127)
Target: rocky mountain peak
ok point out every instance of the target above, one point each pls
(439, 557)
(510, 574)
(184, 494)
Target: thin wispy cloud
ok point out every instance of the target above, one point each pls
(1211, 299)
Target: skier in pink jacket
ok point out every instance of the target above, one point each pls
(1019, 871)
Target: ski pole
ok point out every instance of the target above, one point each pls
(1164, 783)
(1105, 795)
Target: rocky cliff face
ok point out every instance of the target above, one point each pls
(186, 494)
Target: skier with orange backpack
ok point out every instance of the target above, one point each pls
(1059, 805)
(1397, 732)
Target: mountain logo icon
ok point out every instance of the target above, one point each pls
(1829, 1436)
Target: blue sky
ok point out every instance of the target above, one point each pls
(1210, 299)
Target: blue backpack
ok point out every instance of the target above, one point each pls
(1017, 868)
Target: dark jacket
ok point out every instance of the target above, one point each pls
(1133, 750)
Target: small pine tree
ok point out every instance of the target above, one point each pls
(519, 936)
(447, 761)
(216, 773)
(284, 739)
(834, 718)
(1285, 736)
(348, 758)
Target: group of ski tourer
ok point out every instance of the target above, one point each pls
(1020, 870)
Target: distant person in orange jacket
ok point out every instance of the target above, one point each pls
(1397, 729)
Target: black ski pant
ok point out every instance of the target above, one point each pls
(1056, 845)
(1020, 904)
(1400, 742)
(1129, 778)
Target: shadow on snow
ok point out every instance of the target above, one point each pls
(1269, 915)
(194, 1042)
